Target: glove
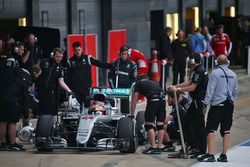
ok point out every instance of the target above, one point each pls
(72, 94)
(163, 62)
(131, 116)
(25, 122)
(204, 105)
(169, 62)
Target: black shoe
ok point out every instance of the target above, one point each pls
(193, 151)
(200, 157)
(195, 155)
(16, 147)
(151, 150)
(4, 147)
(168, 148)
(206, 158)
(222, 158)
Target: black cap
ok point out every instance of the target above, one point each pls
(76, 44)
(124, 48)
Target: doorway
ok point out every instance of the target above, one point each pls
(192, 19)
(156, 27)
(9, 25)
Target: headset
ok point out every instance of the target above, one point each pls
(123, 48)
(51, 54)
(54, 52)
(16, 48)
(180, 30)
(217, 64)
(26, 39)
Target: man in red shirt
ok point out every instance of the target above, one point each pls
(221, 43)
(140, 59)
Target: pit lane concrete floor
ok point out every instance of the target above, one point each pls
(67, 158)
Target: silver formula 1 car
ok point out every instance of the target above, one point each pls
(102, 127)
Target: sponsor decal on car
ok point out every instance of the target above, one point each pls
(112, 92)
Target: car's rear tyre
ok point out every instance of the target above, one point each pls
(44, 128)
(140, 120)
(125, 131)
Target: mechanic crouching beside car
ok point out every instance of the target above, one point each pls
(156, 104)
(47, 84)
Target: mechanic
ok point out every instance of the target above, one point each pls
(220, 42)
(155, 109)
(18, 56)
(65, 61)
(194, 124)
(3, 58)
(221, 95)
(36, 72)
(125, 71)
(18, 53)
(80, 74)
(141, 62)
(125, 68)
(16, 82)
(65, 58)
(171, 125)
(180, 50)
(47, 84)
(14, 59)
(65, 66)
(7, 43)
(33, 53)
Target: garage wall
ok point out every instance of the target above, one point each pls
(135, 17)
(57, 16)
(91, 19)
(12, 8)
(211, 5)
(244, 6)
(51, 14)
(132, 15)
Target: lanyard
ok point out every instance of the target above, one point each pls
(226, 79)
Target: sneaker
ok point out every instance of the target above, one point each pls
(222, 158)
(4, 147)
(200, 157)
(193, 151)
(151, 150)
(168, 148)
(16, 147)
(195, 155)
(206, 158)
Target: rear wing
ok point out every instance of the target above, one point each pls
(112, 92)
